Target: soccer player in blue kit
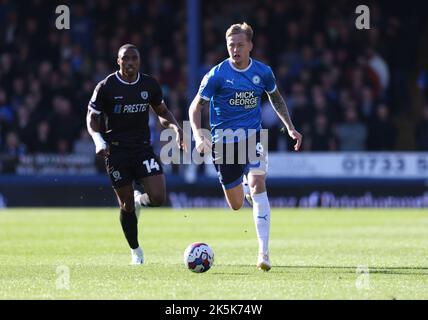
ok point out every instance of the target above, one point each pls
(233, 89)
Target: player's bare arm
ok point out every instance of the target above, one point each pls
(195, 113)
(167, 120)
(281, 109)
(93, 121)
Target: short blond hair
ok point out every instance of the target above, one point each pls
(240, 28)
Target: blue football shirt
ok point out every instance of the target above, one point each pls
(235, 96)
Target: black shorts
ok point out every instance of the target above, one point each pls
(231, 167)
(124, 165)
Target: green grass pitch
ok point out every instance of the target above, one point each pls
(316, 254)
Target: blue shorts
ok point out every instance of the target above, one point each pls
(233, 160)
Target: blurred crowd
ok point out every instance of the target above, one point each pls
(47, 76)
(345, 88)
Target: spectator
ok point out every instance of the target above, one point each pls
(379, 66)
(63, 123)
(63, 146)
(84, 145)
(6, 112)
(421, 132)
(367, 103)
(13, 146)
(297, 101)
(42, 141)
(321, 137)
(381, 136)
(351, 134)
(423, 84)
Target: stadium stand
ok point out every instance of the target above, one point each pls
(343, 86)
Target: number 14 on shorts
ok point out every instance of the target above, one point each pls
(151, 165)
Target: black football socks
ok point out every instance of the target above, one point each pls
(128, 220)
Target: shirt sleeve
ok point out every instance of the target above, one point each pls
(209, 85)
(269, 81)
(97, 101)
(156, 96)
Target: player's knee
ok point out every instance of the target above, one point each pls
(257, 186)
(236, 205)
(157, 200)
(128, 205)
(257, 189)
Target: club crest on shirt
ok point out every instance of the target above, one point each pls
(256, 79)
(144, 95)
(116, 175)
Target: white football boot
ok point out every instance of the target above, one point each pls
(137, 256)
(263, 262)
(137, 203)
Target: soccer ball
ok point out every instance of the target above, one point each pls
(198, 257)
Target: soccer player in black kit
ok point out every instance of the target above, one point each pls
(124, 98)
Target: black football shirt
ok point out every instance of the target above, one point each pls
(125, 107)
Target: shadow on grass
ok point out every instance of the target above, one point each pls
(372, 270)
(232, 273)
(342, 269)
